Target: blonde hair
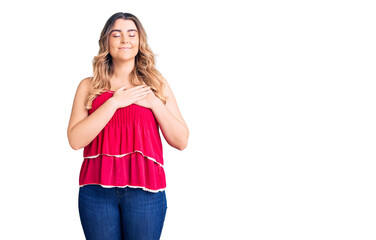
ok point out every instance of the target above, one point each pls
(144, 71)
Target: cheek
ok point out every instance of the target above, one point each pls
(135, 43)
(111, 45)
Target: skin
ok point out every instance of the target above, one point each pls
(83, 128)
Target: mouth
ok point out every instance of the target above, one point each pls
(125, 48)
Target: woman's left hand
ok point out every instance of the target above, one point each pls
(148, 101)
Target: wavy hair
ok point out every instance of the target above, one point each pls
(144, 71)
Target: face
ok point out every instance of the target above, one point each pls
(123, 40)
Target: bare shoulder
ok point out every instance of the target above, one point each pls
(86, 81)
(167, 91)
(84, 85)
(83, 89)
(82, 92)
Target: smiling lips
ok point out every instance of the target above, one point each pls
(125, 48)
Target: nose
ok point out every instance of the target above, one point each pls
(124, 39)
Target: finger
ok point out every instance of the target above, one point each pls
(140, 86)
(142, 90)
(137, 88)
(140, 97)
(132, 90)
(143, 94)
(120, 89)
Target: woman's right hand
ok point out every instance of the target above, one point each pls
(124, 97)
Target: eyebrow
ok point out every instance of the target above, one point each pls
(118, 30)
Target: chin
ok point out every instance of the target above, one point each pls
(124, 59)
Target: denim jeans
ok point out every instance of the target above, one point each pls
(121, 213)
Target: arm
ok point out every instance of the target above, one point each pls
(83, 128)
(170, 120)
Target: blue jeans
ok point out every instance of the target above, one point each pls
(121, 213)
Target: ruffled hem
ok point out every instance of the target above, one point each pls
(122, 155)
(134, 170)
(143, 188)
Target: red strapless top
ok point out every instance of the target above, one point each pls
(127, 152)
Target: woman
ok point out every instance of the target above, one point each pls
(116, 116)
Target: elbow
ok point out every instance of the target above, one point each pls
(73, 144)
(76, 147)
(181, 147)
(183, 144)
(179, 144)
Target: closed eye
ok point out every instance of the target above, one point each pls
(129, 36)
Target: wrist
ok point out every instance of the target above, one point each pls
(113, 103)
(156, 104)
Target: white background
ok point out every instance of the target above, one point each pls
(279, 97)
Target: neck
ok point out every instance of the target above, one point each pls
(122, 70)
